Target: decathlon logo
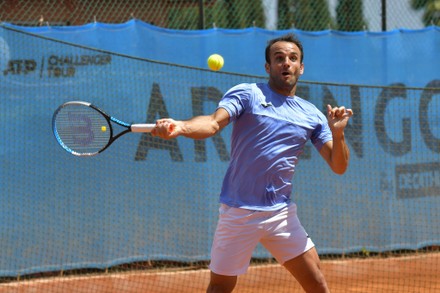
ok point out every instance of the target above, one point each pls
(418, 180)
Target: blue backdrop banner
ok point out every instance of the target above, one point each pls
(149, 199)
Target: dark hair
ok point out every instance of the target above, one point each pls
(291, 38)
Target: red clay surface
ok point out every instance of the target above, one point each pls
(417, 273)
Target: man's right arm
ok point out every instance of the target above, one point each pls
(199, 127)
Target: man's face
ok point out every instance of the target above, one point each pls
(285, 67)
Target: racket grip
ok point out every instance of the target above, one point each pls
(142, 127)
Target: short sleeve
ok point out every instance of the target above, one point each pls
(322, 133)
(236, 100)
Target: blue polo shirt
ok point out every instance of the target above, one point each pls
(269, 133)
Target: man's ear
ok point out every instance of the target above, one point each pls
(267, 67)
(301, 70)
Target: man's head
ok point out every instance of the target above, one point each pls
(291, 38)
(284, 56)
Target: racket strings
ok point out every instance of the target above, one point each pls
(81, 129)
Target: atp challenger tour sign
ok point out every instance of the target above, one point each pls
(145, 182)
(55, 66)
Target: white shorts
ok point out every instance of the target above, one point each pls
(239, 231)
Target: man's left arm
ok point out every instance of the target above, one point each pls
(336, 152)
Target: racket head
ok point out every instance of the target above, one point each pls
(81, 128)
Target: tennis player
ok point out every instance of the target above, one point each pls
(270, 128)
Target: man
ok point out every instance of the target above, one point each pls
(271, 127)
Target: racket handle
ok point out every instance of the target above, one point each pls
(142, 127)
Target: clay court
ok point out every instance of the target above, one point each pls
(414, 273)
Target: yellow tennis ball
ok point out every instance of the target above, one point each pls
(215, 62)
(103, 128)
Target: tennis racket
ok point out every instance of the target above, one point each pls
(83, 129)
